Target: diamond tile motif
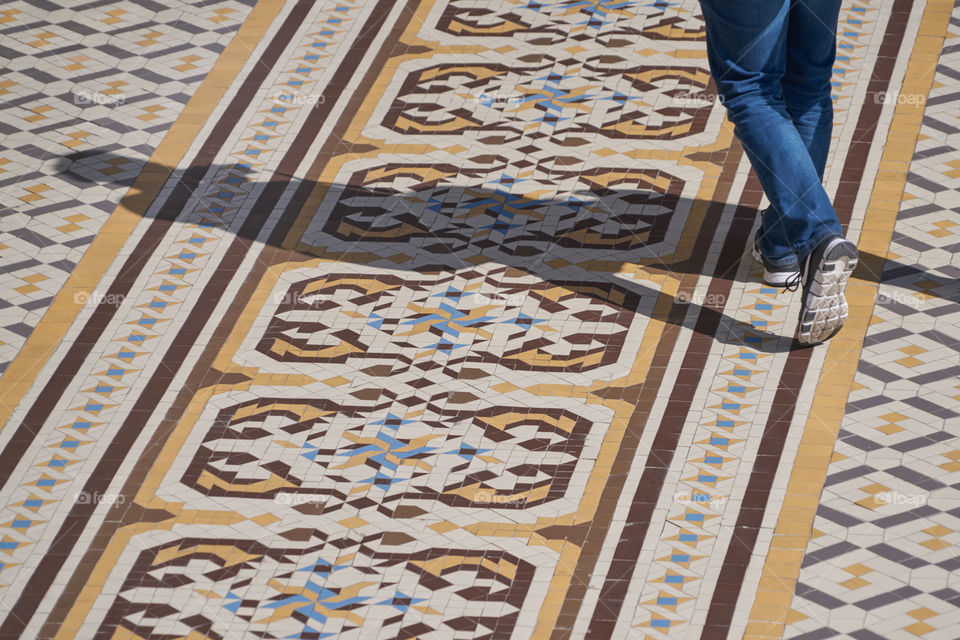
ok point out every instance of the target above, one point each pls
(437, 319)
(68, 112)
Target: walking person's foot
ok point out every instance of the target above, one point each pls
(827, 270)
(787, 276)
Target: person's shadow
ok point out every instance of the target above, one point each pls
(435, 224)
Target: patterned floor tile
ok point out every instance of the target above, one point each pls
(437, 319)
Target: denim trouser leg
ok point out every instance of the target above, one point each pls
(811, 52)
(759, 55)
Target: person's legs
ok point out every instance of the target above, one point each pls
(811, 51)
(806, 83)
(772, 63)
(747, 47)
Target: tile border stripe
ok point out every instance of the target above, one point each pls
(43, 341)
(781, 567)
(750, 518)
(660, 456)
(93, 329)
(43, 576)
(115, 522)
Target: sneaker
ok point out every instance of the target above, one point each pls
(824, 310)
(773, 276)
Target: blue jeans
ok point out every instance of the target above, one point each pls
(772, 62)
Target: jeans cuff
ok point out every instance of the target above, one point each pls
(788, 261)
(807, 248)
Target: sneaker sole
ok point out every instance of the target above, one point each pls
(775, 279)
(824, 307)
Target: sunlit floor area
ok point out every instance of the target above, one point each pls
(437, 319)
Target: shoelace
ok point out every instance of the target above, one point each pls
(793, 283)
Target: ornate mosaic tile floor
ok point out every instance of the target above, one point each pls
(436, 319)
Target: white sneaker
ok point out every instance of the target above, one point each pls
(827, 270)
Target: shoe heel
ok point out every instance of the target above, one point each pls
(825, 307)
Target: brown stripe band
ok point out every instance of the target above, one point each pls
(645, 398)
(93, 330)
(618, 579)
(742, 543)
(664, 445)
(80, 513)
(199, 376)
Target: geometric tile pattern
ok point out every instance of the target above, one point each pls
(99, 402)
(668, 588)
(88, 421)
(505, 214)
(324, 586)
(882, 562)
(440, 323)
(87, 94)
(444, 324)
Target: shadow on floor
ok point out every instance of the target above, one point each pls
(433, 225)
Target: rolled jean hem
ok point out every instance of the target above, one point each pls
(807, 248)
(788, 261)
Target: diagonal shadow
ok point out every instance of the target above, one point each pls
(437, 226)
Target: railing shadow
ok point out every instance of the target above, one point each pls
(436, 223)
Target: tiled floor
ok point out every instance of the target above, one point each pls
(436, 319)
